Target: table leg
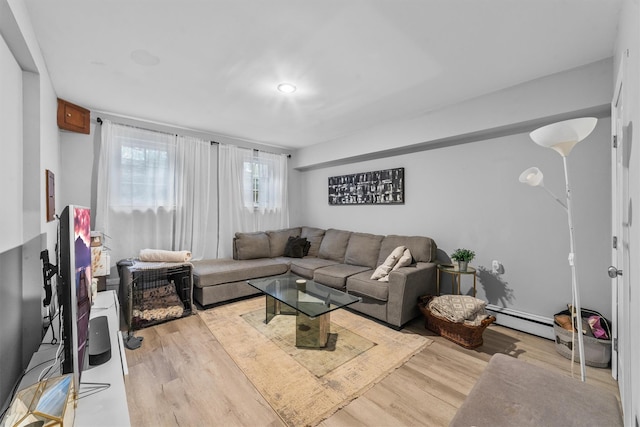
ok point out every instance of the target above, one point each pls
(272, 308)
(474, 285)
(312, 331)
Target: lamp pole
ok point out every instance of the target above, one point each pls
(574, 280)
(561, 137)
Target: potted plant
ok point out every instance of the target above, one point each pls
(463, 256)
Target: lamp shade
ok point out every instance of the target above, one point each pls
(562, 136)
(532, 176)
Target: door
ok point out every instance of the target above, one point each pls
(621, 211)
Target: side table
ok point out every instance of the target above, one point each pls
(457, 275)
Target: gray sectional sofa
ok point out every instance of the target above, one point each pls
(340, 259)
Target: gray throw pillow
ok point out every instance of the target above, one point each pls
(297, 247)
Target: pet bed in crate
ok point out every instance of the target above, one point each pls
(158, 304)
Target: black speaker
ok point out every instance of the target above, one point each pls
(99, 341)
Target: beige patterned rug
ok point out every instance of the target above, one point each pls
(304, 386)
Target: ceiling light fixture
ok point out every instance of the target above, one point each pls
(286, 88)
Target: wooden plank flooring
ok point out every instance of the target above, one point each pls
(181, 376)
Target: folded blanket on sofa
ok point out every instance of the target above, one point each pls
(159, 255)
(459, 309)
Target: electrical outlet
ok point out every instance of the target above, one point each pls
(496, 267)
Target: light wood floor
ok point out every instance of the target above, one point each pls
(181, 376)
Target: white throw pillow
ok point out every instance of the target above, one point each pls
(404, 261)
(388, 263)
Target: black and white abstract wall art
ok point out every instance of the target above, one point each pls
(383, 187)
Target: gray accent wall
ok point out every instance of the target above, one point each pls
(462, 165)
(469, 196)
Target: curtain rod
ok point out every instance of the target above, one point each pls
(254, 149)
(99, 120)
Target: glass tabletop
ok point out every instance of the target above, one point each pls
(306, 296)
(450, 268)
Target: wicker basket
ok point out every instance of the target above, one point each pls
(461, 334)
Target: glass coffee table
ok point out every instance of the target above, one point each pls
(309, 301)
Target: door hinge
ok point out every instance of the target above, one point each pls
(615, 344)
(615, 242)
(615, 141)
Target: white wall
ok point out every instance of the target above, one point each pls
(26, 155)
(11, 223)
(77, 157)
(581, 89)
(469, 196)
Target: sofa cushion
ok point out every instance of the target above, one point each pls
(212, 272)
(423, 249)
(362, 285)
(363, 249)
(334, 244)
(252, 245)
(335, 276)
(278, 240)
(306, 266)
(314, 237)
(384, 268)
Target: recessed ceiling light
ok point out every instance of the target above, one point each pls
(286, 88)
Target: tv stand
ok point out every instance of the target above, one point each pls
(108, 407)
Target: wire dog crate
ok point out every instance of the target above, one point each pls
(153, 293)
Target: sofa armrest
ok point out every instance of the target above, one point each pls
(406, 285)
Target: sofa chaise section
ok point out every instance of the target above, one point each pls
(220, 280)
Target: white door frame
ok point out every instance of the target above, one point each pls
(620, 286)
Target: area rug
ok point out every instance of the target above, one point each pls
(342, 344)
(304, 386)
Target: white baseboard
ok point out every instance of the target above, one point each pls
(523, 321)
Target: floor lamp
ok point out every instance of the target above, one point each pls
(562, 137)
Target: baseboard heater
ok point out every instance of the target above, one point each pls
(523, 321)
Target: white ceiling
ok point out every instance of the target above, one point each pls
(356, 63)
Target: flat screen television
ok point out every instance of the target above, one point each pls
(74, 287)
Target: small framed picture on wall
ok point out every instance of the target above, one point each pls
(51, 195)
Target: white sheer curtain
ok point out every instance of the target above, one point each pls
(193, 192)
(252, 193)
(152, 191)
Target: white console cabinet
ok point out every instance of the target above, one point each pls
(108, 406)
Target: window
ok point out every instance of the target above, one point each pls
(251, 184)
(143, 174)
(253, 191)
(259, 182)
